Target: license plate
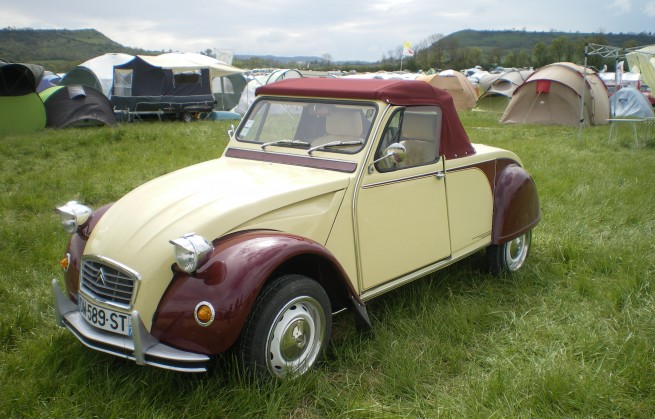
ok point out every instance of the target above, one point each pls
(104, 318)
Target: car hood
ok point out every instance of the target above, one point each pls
(212, 198)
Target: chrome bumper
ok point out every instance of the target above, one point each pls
(142, 347)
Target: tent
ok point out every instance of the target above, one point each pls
(76, 105)
(552, 96)
(643, 61)
(630, 102)
(227, 90)
(49, 80)
(172, 84)
(21, 108)
(499, 89)
(97, 72)
(455, 83)
(248, 94)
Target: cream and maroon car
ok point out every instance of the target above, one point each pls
(329, 193)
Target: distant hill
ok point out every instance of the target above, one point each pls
(512, 48)
(58, 50)
(516, 40)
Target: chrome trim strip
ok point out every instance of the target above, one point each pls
(142, 348)
(403, 179)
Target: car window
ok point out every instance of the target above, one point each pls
(328, 126)
(417, 129)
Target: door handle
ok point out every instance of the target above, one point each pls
(440, 175)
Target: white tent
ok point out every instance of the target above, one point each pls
(643, 61)
(630, 102)
(248, 94)
(103, 68)
(188, 61)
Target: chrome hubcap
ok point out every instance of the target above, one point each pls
(516, 251)
(296, 337)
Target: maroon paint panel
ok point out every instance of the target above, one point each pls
(516, 203)
(75, 249)
(231, 280)
(313, 162)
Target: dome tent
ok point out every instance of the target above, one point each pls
(76, 105)
(499, 89)
(629, 102)
(248, 94)
(455, 83)
(97, 72)
(552, 95)
(21, 108)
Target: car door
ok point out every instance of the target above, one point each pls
(401, 208)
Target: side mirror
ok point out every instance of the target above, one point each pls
(230, 132)
(396, 153)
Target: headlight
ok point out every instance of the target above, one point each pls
(190, 251)
(73, 215)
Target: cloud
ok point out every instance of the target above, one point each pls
(622, 6)
(650, 8)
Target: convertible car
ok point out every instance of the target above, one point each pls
(330, 192)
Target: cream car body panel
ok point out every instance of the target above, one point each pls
(160, 210)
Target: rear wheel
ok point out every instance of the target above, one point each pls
(288, 328)
(509, 256)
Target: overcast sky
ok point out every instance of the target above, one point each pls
(344, 29)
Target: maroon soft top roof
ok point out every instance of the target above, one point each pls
(454, 141)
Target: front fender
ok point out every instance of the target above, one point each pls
(516, 204)
(231, 279)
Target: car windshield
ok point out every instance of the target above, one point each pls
(311, 125)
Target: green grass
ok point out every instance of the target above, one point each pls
(571, 335)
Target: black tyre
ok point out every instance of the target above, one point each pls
(288, 328)
(509, 256)
(187, 117)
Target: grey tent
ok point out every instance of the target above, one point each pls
(81, 76)
(77, 105)
(499, 89)
(629, 102)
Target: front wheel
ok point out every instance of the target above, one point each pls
(509, 256)
(288, 328)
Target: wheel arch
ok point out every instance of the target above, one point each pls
(238, 269)
(516, 203)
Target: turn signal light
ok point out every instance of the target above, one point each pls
(204, 313)
(65, 262)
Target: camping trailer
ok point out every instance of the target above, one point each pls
(173, 85)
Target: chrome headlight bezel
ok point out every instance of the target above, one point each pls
(73, 216)
(191, 250)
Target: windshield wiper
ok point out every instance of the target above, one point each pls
(338, 143)
(291, 143)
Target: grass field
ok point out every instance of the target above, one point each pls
(571, 335)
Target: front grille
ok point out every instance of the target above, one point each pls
(108, 282)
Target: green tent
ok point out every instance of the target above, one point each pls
(21, 108)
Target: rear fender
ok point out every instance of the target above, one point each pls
(231, 280)
(516, 204)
